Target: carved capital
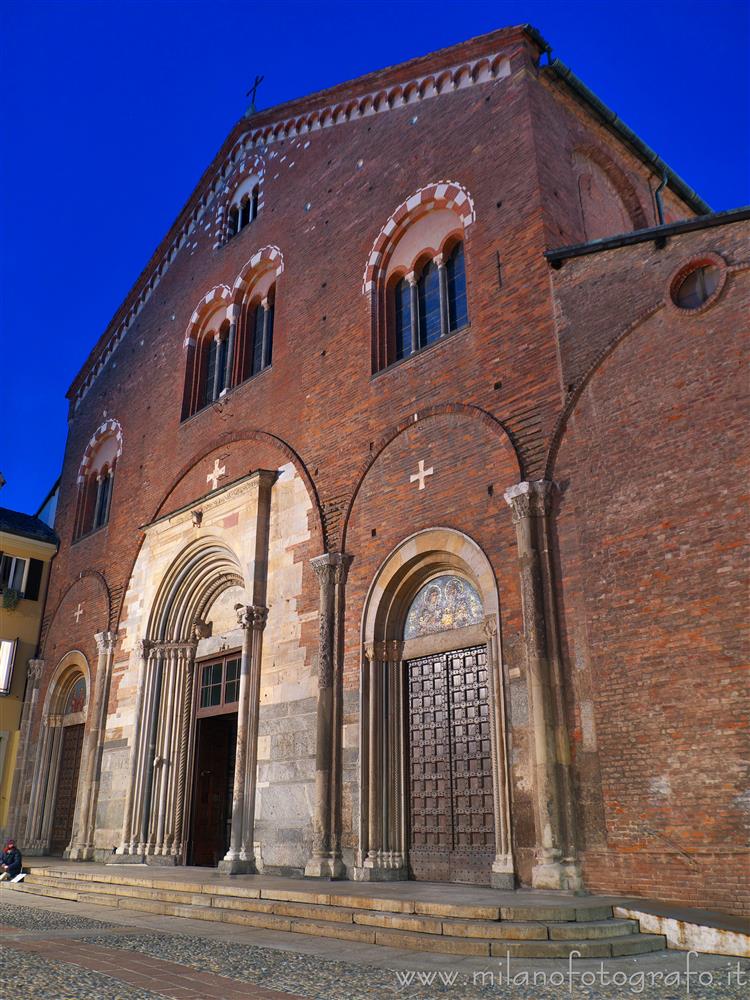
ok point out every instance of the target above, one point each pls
(370, 651)
(251, 615)
(144, 648)
(394, 650)
(105, 642)
(34, 671)
(490, 626)
(331, 568)
(202, 629)
(530, 499)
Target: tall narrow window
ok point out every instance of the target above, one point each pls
(245, 209)
(259, 320)
(402, 319)
(458, 315)
(234, 221)
(209, 375)
(103, 496)
(254, 203)
(428, 297)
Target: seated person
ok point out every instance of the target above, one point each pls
(10, 861)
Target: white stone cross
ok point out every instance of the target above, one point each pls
(218, 473)
(421, 475)
(78, 612)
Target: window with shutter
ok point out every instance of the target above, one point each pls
(33, 580)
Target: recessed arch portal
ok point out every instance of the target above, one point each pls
(55, 798)
(158, 800)
(429, 688)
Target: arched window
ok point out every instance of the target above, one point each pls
(425, 306)
(458, 314)
(416, 273)
(428, 298)
(96, 479)
(244, 207)
(257, 341)
(402, 319)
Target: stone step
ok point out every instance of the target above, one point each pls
(521, 931)
(109, 893)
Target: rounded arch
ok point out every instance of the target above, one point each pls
(430, 413)
(577, 392)
(196, 577)
(617, 177)
(249, 173)
(238, 437)
(448, 195)
(413, 563)
(109, 429)
(70, 667)
(268, 258)
(101, 583)
(212, 302)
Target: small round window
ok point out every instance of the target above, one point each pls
(697, 287)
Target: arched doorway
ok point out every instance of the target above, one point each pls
(434, 790)
(54, 796)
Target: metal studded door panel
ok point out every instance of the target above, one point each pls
(452, 830)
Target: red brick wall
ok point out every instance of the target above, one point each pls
(653, 469)
(511, 144)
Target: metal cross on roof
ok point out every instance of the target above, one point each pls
(253, 90)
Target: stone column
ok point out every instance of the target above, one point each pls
(555, 866)
(503, 873)
(24, 763)
(414, 308)
(217, 368)
(331, 570)
(186, 676)
(240, 858)
(129, 824)
(82, 842)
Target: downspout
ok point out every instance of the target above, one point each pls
(658, 198)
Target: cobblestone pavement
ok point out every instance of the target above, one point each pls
(50, 950)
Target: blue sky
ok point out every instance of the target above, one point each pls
(111, 111)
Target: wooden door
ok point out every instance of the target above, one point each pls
(452, 819)
(214, 780)
(67, 786)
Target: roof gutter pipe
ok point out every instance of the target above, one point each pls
(643, 151)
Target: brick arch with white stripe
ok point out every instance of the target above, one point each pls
(219, 297)
(110, 428)
(443, 194)
(250, 167)
(267, 258)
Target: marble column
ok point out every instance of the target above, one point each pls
(81, 846)
(240, 858)
(22, 774)
(326, 862)
(555, 864)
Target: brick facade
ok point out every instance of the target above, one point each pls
(582, 375)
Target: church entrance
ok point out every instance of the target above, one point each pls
(67, 786)
(434, 802)
(452, 823)
(215, 750)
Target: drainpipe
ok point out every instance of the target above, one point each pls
(658, 198)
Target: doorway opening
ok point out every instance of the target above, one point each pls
(215, 754)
